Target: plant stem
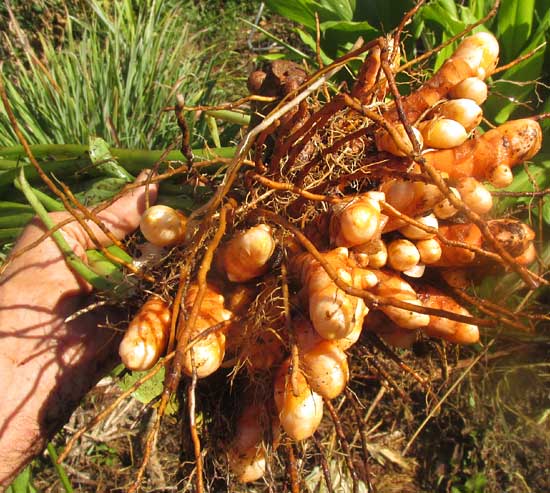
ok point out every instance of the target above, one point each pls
(48, 202)
(65, 159)
(71, 258)
(9, 234)
(59, 469)
(230, 116)
(213, 129)
(129, 158)
(8, 221)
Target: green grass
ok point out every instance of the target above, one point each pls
(113, 73)
(110, 73)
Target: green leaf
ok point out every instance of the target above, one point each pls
(449, 6)
(310, 41)
(150, 390)
(546, 210)
(383, 14)
(467, 15)
(479, 8)
(357, 28)
(512, 88)
(101, 454)
(271, 56)
(297, 11)
(339, 36)
(22, 483)
(59, 469)
(539, 171)
(303, 11)
(476, 484)
(96, 190)
(343, 8)
(444, 14)
(514, 23)
(445, 53)
(103, 161)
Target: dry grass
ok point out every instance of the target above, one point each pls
(494, 425)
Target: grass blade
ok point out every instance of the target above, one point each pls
(59, 469)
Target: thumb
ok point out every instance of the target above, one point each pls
(120, 218)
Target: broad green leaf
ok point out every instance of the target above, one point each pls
(22, 483)
(310, 42)
(523, 182)
(444, 53)
(514, 23)
(339, 36)
(479, 8)
(382, 14)
(298, 11)
(545, 124)
(303, 11)
(449, 6)
(442, 15)
(345, 9)
(358, 28)
(508, 93)
(418, 26)
(103, 161)
(150, 390)
(546, 210)
(515, 82)
(445, 16)
(97, 190)
(467, 15)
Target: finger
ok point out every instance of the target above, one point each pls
(120, 218)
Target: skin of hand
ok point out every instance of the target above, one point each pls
(47, 365)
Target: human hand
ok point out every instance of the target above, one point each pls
(47, 365)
